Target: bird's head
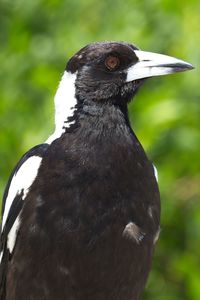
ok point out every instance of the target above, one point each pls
(113, 71)
(107, 73)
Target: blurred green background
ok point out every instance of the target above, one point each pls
(36, 39)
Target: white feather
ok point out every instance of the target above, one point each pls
(155, 173)
(132, 231)
(21, 181)
(65, 102)
(13, 234)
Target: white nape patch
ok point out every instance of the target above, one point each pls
(156, 237)
(155, 173)
(13, 235)
(132, 231)
(65, 102)
(153, 64)
(21, 182)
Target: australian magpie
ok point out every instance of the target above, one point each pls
(81, 211)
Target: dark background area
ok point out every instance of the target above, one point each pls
(37, 37)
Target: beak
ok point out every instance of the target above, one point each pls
(152, 64)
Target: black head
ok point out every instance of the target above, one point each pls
(102, 70)
(113, 71)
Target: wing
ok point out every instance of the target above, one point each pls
(15, 193)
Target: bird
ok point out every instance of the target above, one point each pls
(81, 211)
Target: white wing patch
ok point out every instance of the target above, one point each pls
(21, 182)
(13, 234)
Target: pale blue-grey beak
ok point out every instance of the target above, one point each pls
(151, 64)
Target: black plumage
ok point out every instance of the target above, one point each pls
(89, 219)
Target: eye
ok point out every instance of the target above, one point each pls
(112, 62)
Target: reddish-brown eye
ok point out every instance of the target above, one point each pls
(112, 62)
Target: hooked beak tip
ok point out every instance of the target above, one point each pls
(152, 64)
(179, 66)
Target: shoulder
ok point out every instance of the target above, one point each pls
(16, 190)
(22, 176)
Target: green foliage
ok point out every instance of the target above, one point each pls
(37, 37)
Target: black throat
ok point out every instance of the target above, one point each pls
(100, 117)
